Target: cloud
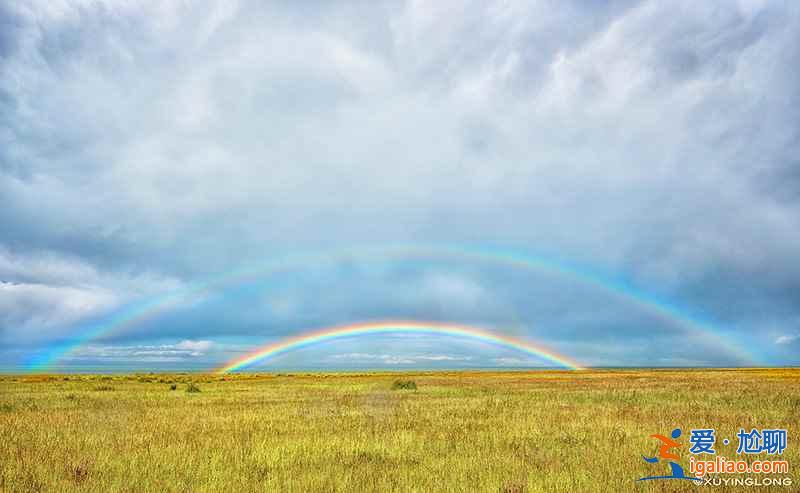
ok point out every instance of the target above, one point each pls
(43, 294)
(787, 338)
(161, 353)
(395, 359)
(194, 345)
(147, 148)
(37, 312)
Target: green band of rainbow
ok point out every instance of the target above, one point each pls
(397, 326)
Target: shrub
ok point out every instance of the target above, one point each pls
(404, 385)
(174, 386)
(103, 388)
(191, 387)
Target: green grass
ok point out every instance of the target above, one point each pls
(467, 431)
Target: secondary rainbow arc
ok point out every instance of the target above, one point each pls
(398, 326)
(129, 316)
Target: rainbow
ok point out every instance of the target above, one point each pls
(136, 313)
(396, 327)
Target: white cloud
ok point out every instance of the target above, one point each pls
(442, 357)
(395, 359)
(182, 351)
(43, 293)
(787, 338)
(37, 311)
(194, 345)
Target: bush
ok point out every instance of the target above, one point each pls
(191, 387)
(174, 386)
(404, 385)
(103, 388)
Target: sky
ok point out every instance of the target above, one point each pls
(182, 183)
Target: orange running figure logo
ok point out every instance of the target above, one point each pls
(664, 452)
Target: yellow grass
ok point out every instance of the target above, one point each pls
(459, 431)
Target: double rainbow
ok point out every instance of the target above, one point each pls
(397, 327)
(137, 313)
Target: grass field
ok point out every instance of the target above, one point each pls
(458, 431)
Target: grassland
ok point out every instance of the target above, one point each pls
(468, 431)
